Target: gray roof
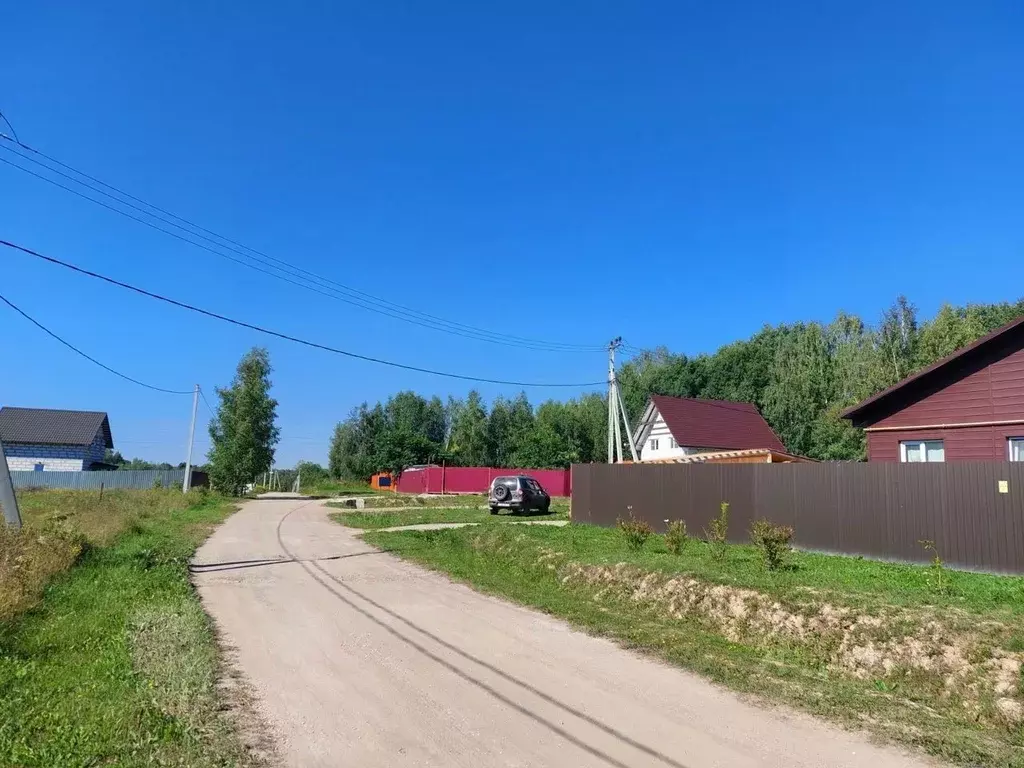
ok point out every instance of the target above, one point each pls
(45, 426)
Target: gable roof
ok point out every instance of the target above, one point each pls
(44, 426)
(724, 424)
(1007, 334)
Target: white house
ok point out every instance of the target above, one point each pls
(675, 427)
(48, 440)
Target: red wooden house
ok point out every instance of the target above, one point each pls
(966, 407)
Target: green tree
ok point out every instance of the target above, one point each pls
(897, 341)
(311, 473)
(468, 441)
(355, 446)
(244, 433)
(950, 329)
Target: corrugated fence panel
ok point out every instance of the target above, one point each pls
(138, 479)
(878, 510)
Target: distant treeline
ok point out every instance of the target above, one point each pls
(119, 461)
(801, 376)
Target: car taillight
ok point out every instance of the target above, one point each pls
(517, 493)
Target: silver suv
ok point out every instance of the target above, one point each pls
(519, 493)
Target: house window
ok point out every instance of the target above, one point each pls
(922, 450)
(38, 467)
(1016, 447)
(654, 443)
(672, 443)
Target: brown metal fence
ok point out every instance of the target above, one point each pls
(876, 510)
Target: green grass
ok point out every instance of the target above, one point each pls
(575, 573)
(410, 501)
(406, 500)
(340, 488)
(433, 515)
(117, 665)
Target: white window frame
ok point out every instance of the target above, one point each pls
(1018, 443)
(923, 447)
(673, 443)
(654, 443)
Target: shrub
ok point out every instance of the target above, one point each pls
(939, 580)
(675, 537)
(718, 534)
(635, 531)
(773, 541)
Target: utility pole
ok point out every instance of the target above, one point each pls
(617, 408)
(612, 420)
(625, 422)
(187, 482)
(8, 501)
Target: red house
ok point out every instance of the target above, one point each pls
(966, 407)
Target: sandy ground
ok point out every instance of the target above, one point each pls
(358, 659)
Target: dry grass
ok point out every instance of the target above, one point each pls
(59, 525)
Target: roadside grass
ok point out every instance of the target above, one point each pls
(59, 525)
(408, 500)
(866, 644)
(372, 520)
(117, 664)
(462, 501)
(342, 488)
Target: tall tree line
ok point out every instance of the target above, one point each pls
(409, 429)
(801, 376)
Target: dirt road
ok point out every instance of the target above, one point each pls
(357, 659)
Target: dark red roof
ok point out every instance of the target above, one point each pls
(926, 373)
(716, 424)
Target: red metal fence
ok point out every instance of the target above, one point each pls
(973, 511)
(557, 482)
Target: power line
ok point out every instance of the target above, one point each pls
(286, 337)
(339, 291)
(206, 402)
(77, 351)
(10, 125)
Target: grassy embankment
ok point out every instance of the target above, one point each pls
(922, 656)
(106, 656)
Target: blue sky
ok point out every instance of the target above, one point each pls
(677, 173)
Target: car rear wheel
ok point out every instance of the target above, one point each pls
(501, 492)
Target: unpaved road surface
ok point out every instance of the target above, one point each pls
(358, 659)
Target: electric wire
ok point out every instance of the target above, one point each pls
(348, 294)
(284, 336)
(207, 403)
(91, 359)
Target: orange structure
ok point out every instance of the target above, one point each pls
(383, 481)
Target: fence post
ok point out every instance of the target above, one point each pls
(8, 500)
